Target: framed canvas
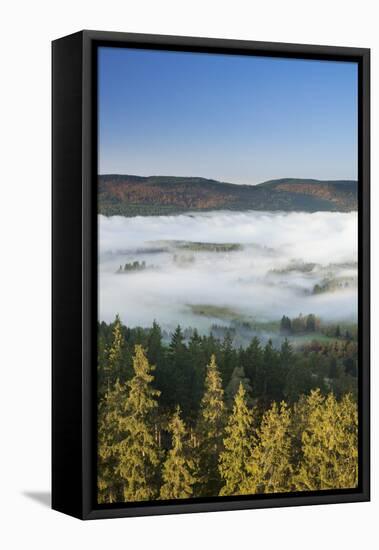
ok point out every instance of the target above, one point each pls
(210, 275)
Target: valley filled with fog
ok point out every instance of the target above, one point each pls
(227, 268)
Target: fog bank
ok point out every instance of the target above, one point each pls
(281, 257)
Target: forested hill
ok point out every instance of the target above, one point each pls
(129, 195)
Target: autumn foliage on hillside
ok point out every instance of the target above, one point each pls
(132, 195)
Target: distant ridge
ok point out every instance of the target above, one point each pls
(131, 195)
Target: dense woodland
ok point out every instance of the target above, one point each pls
(129, 195)
(199, 418)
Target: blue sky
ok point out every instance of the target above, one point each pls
(232, 118)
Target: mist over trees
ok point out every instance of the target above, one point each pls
(254, 266)
(200, 418)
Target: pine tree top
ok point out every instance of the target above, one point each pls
(177, 429)
(141, 394)
(114, 353)
(212, 408)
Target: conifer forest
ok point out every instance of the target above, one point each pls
(198, 417)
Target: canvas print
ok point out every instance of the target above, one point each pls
(227, 275)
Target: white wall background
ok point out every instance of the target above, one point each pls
(26, 31)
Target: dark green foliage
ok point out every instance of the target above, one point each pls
(273, 374)
(285, 325)
(268, 380)
(198, 358)
(154, 345)
(251, 359)
(228, 358)
(145, 443)
(131, 267)
(299, 381)
(238, 379)
(180, 372)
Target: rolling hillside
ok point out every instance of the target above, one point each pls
(130, 195)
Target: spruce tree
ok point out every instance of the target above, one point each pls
(198, 366)
(210, 346)
(177, 340)
(286, 362)
(138, 454)
(286, 355)
(114, 364)
(238, 444)
(267, 379)
(299, 380)
(102, 360)
(181, 374)
(270, 467)
(252, 360)
(238, 378)
(178, 468)
(228, 358)
(210, 431)
(155, 349)
(329, 444)
(110, 412)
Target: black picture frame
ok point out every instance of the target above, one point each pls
(74, 271)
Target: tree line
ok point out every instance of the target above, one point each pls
(233, 443)
(304, 324)
(267, 374)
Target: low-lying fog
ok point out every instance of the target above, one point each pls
(274, 271)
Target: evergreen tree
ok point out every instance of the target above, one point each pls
(299, 381)
(238, 378)
(269, 386)
(286, 362)
(210, 346)
(285, 325)
(181, 372)
(110, 412)
(156, 356)
(210, 431)
(252, 360)
(114, 364)
(154, 346)
(178, 468)
(329, 444)
(270, 467)
(228, 358)
(238, 444)
(102, 361)
(322, 435)
(198, 366)
(138, 455)
(177, 340)
(286, 355)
